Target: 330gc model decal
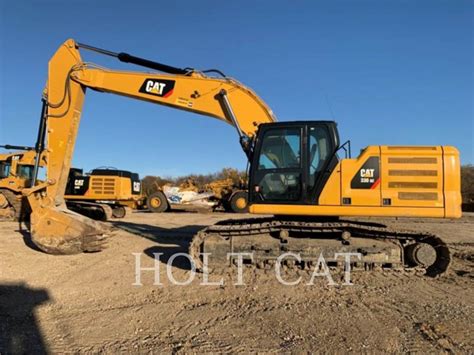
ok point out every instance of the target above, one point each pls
(368, 176)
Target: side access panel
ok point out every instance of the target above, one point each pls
(412, 176)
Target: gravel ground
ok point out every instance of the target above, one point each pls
(88, 303)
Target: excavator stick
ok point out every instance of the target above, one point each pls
(55, 229)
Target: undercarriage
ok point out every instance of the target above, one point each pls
(97, 211)
(261, 241)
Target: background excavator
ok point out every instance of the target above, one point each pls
(104, 193)
(295, 174)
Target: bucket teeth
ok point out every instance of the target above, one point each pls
(94, 243)
(61, 231)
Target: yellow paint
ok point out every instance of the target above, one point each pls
(355, 211)
(14, 182)
(241, 203)
(369, 202)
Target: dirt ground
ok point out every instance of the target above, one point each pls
(88, 303)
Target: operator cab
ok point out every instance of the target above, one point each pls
(13, 166)
(292, 161)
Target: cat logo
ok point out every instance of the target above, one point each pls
(157, 87)
(136, 186)
(367, 173)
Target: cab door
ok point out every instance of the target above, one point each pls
(292, 162)
(278, 175)
(322, 158)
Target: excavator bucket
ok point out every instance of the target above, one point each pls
(57, 230)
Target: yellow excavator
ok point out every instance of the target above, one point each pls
(103, 193)
(295, 173)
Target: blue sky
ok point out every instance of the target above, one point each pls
(390, 72)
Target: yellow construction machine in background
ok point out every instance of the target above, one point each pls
(103, 193)
(219, 195)
(230, 196)
(16, 174)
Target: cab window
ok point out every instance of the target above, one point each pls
(4, 169)
(281, 149)
(319, 150)
(25, 171)
(279, 165)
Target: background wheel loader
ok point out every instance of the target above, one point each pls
(157, 202)
(225, 191)
(230, 196)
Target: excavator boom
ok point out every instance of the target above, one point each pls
(69, 77)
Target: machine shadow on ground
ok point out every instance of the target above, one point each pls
(19, 328)
(24, 230)
(170, 240)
